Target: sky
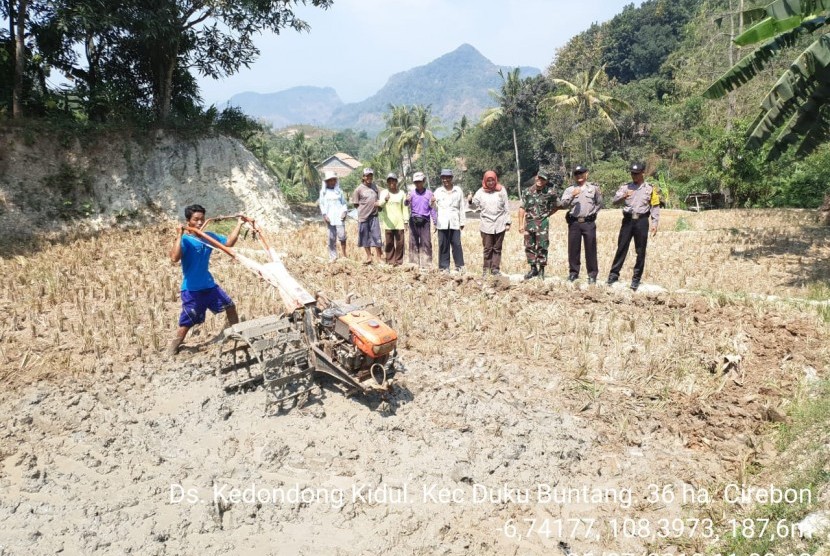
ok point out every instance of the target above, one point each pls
(356, 45)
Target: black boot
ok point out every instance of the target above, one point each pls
(541, 274)
(533, 272)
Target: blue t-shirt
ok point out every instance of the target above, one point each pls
(195, 260)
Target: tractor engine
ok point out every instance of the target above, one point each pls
(355, 338)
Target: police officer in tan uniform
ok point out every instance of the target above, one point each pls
(583, 200)
(640, 205)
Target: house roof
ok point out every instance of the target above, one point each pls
(346, 159)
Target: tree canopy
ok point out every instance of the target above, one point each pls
(794, 112)
(142, 53)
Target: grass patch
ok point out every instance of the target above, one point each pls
(818, 291)
(812, 413)
(682, 225)
(222, 227)
(772, 528)
(803, 439)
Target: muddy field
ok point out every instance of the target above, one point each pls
(531, 418)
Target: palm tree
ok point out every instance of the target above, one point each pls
(289, 179)
(461, 128)
(423, 125)
(399, 137)
(794, 110)
(305, 164)
(508, 100)
(585, 100)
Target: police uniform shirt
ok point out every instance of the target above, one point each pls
(643, 199)
(587, 203)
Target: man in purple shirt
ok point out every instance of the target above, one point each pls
(421, 212)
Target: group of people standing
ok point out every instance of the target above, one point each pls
(640, 203)
(393, 210)
(445, 209)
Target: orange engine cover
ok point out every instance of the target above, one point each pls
(370, 335)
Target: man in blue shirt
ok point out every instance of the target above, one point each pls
(199, 291)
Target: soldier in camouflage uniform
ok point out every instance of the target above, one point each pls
(540, 201)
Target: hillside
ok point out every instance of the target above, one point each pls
(298, 105)
(100, 180)
(455, 85)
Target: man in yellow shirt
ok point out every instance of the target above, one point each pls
(394, 215)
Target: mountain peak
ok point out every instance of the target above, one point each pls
(463, 52)
(466, 48)
(454, 85)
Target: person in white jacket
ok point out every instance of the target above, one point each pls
(494, 221)
(333, 207)
(451, 208)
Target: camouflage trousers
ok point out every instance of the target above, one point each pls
(536, 247)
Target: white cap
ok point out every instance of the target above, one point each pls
(419, 176)
(329, 175)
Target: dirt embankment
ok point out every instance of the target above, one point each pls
(97, 181)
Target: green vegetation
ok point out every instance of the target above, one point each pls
(636, 87)
(802, 439)
(794, 109)
(819, 291)
(129, 59)
(811, 415)
(292, 155)
(633, 89)
(682, 225)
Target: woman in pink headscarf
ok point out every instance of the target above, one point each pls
(491, 199)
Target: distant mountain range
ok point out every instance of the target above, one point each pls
(455, 85)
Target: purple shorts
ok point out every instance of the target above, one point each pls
(195, 305)
(368, 233)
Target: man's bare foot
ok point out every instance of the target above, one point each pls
(173, 347)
